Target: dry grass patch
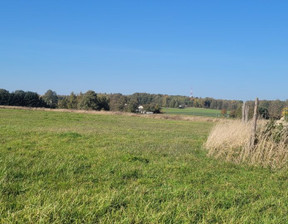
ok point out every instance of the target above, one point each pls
(227, 139)
(230, 140)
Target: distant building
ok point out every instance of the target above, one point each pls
(141, 109)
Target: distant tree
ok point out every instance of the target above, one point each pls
(4, 97)
(264, 104)
(32, 99)
(213, 104)
(90, 101)
(50, 98)
(103, 103)
(72, 101)
(17, 98)
(132, 106)
(63, 102)
(117, 102)
(207, 102)
(155, 108)
(197, 102)
(174, 103)
(238, 111)
(165, 101)
(275, 108)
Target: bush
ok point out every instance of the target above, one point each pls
(263, 112)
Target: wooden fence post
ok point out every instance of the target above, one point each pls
(245, 112)
(254, 124)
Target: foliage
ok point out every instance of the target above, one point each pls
(131, 106)
(155, 108)
(4, 97)
(263, 112)
(172, 101)
(275, 109)
(285, 113)
(117, 102)
(50, 98)
(72, 101)
(90, 101)
(273, 131)
(21, 98)
(63, 102)
(103, 103)
(130, 103)
(17, 98)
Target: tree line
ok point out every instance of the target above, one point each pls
(88, 101)
(130, 103)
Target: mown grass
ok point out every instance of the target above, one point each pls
(83, 168)
(193, 111)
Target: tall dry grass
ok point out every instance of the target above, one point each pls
(230, 141)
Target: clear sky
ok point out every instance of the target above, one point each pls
(221, 49)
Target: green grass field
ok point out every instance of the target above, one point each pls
(58, 167)
(193, 111)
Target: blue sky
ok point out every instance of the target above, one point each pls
(221, 49)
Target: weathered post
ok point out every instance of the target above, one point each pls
(245, 112)
(254, 124)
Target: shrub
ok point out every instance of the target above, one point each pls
(224, 112)
(263, 112)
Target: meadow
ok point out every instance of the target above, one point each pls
(193, 111)
(60, 167)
